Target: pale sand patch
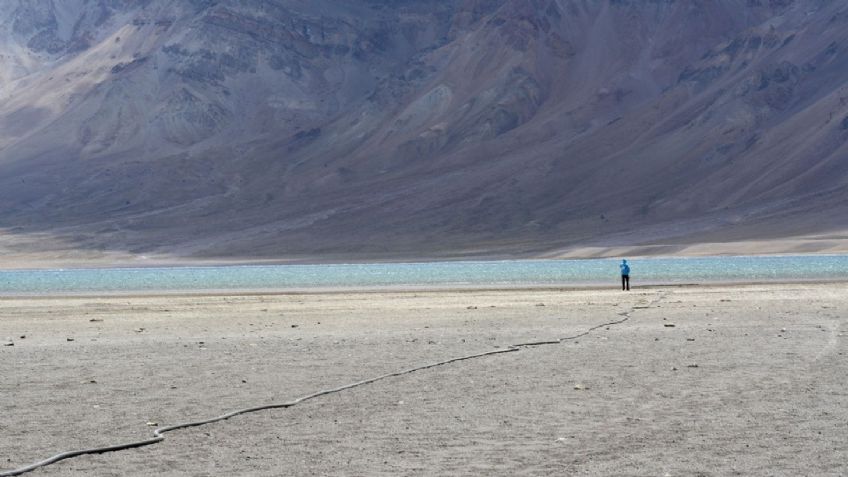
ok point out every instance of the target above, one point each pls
(761, 401)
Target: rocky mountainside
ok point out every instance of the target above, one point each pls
(411, 128)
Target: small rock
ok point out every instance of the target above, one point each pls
(669, 325)
(294, 326)
(244, 381)
(783, 330)
(139, 330)
(23, 337)
(9, 344)
(674, 369)
(690, 339)
(540, 304)
(95, 320)
(152, 424)
(693, 365)
(69, 339)
(580, 387)
(471, 308)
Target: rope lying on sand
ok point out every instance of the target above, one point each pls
(158, 434)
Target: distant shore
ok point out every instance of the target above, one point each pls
(17, 253)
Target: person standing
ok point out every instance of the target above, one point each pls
(625, 275)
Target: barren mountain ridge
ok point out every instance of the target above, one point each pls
(421, 128)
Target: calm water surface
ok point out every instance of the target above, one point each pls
(437, 274)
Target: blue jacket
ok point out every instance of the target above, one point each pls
(625, 269)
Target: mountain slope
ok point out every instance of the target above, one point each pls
(420, 128)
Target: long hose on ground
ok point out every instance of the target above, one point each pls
(158, 434)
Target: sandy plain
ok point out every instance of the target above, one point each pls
(749, 380)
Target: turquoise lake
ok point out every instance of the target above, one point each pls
(434, 274)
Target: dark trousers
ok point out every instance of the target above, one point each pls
(625, 282)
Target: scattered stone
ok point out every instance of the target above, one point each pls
(690, 339)
(471, 308)
(23, 337)
(294, 326)
(139, 330)
(724, 300)
(693, 365)
(244, 381)
(95, 320)
(674, 368)
(152, 424)
(69, 339)
(9, 344)
(540, 304)
(580, 387)
(783, 330)
(669, 325)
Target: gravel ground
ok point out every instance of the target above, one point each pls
(718, 380)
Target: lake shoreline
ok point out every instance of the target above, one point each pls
(563, 288)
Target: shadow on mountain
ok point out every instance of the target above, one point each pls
(398, 129)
